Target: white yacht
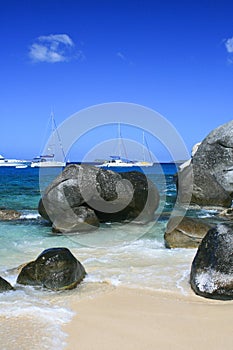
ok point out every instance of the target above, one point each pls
(15, 163)
(115, 162)
(46, 161)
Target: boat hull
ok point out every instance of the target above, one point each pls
(48, 164)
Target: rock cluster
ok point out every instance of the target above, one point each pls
(82, 196)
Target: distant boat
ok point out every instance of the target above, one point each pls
(121, 162)
(4, 162)
(48, 160)
(144, 162)
(22, 166)
(116, 161)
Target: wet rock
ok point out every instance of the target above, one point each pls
(212, 268)
(9, 214)
(226, 213)
(185, 232)
(55, 268)
(4, 285)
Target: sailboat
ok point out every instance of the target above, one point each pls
(48, 160)
(119, 161)
(144, 162)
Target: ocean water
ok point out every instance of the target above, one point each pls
(128, 255)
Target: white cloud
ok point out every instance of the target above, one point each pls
(57, 38)
(52, 48)
(229, 45)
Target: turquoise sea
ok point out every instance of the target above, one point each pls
(116, 254)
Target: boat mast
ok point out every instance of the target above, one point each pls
(143, 146)
(121, 143)
(119, 139)
(147, 147)
(55, 130)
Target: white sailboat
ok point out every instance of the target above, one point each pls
(48, 160)
(119, 161)
(144, 162)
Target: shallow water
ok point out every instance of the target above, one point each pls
(128, 255)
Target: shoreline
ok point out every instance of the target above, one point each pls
(136, 319)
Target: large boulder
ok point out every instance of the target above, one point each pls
(143, 204)
(55, 268)
(212, 167)
(215, 155)
(82, 196)
(4, 285)
(200, 187)
(67, 190)
(184, 184)
(212, 268)
(185, 232)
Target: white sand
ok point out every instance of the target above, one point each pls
(125, 319)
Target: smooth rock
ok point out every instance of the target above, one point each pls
(215, 155)
(207, 191)
(212, 168)
(144, 202)
(200, 188)
(185, 232)
(55, 268)
(212, 268)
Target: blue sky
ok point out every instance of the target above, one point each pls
(175, 57)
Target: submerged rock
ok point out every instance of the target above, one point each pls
(185, 232)
(9, 214)
(226, 214)
(212, 268)
(82, 196)
(55, 268)
(4, 285)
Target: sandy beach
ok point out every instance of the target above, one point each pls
(135, 319)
